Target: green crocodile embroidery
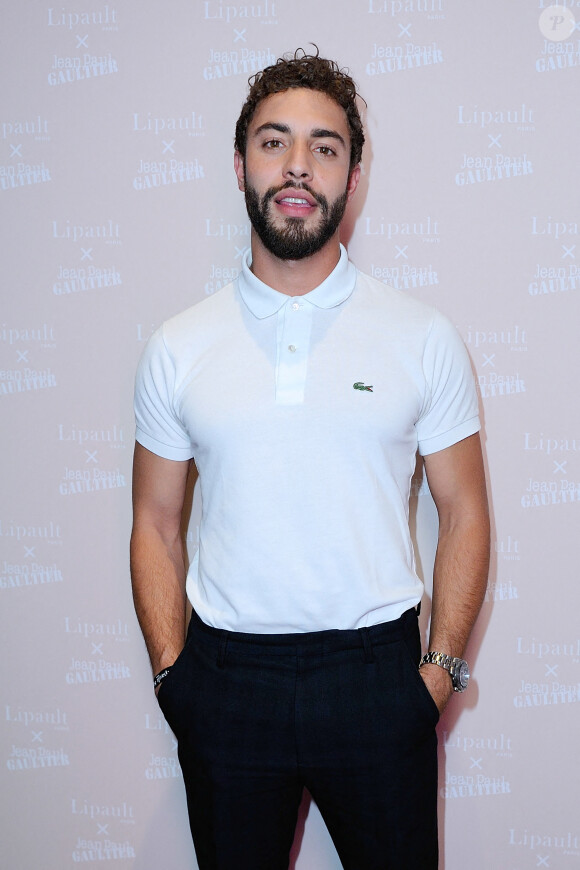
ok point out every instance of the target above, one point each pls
(360, 386)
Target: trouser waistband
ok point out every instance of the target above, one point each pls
(328, 640)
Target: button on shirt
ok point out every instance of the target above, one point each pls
(304, 415)
(294, 317)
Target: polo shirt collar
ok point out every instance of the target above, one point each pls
(263, 301)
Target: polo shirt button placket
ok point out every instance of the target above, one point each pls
(295, 321)
(296, 306)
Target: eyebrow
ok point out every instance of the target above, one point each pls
(317, 133)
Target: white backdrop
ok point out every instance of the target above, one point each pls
(120, 208)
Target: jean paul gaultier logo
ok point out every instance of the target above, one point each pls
(84, 272)
(476, 753)
(88, 445)
(405, 277)
(75, 481)
(477, 169)
(385, 59)
(14, 381)
(560, 481)
(546, 694)
(36, 758)
(558, 273)
(81, 67)
(162, 767)
(556, 56)
(94, 665)
(85, 59)
(24, 348)
(24, 370)
(33, 730)
(555, 678)
(25, 562)
(22, 174)
(473, 785)
(19, 575)
(22, 167)
(102, 850)
(492, 350)
(227, 63)
(403, 273)
(108, 821)
(169, 160)
(492, 127)
(219, 276)
(493, 384)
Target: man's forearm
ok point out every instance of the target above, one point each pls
(158, 581)
(459, 584)
(457, 482)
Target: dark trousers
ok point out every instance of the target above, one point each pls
(343, 713)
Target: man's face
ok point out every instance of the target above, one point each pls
(295, 175)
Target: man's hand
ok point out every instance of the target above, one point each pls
(438, 683)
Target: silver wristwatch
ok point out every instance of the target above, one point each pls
(458, 669)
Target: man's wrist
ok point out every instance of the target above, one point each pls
(456, 667)
(158, 678)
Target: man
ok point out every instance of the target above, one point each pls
(302, 392)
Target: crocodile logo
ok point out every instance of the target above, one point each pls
(360, 386)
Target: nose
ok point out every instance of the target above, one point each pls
(297, 165)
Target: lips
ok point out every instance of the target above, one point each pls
(293, 201)
(292, 196)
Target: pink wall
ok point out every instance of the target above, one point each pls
(121, 209)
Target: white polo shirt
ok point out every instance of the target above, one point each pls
(304, 415)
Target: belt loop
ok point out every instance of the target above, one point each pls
(367, 645)
(223, 650)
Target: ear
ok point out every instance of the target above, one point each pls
(353, 181)
(239, 169)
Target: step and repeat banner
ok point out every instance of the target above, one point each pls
(119, 209)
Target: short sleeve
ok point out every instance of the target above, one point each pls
(450, 412)
(158, 427)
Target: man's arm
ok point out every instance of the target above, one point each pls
(457, 482)
(157, 556)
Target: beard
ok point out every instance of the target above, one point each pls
(292, 241)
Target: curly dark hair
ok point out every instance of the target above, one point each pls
(303, 70)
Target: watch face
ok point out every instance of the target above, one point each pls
(463, 675)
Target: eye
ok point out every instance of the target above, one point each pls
(326, 150)
(272, 144)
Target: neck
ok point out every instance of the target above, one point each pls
(294, 277)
